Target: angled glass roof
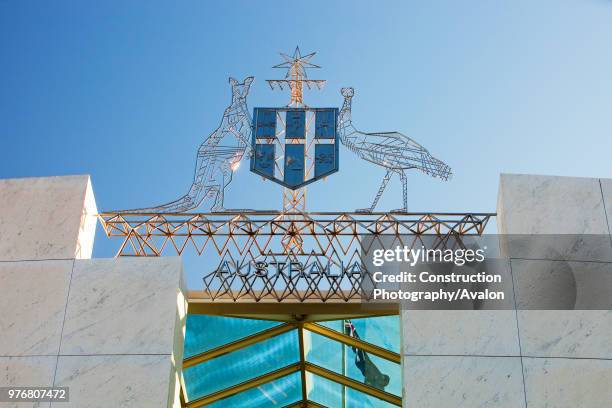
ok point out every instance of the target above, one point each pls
(207, 332)
(239, 362)
(283, 392)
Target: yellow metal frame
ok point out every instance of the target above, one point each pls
(300, 317)
(339, 241)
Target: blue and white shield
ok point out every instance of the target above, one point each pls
(295, 146)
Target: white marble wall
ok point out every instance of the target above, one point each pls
(111, 330)
(106, 328)
(566, 354)
(47, 218)
(525, 358)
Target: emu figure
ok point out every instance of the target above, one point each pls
(392, 150)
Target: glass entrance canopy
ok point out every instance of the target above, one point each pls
(252, 363)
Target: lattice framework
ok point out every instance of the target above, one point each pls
(336, 241)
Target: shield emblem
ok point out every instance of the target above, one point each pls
(295, 146)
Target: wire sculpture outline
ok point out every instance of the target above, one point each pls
(221, 152)
(218, 157)
(394, 151)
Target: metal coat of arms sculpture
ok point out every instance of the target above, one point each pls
(294, 145)
(292, 255)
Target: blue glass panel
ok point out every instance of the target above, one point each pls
(265, 122)
(264, 159)
(360, 366)
(294, 164)
(331, 394)
(241, 365)
(379, 373)
(279, 393)
(325, 352)
(295, 124)
(207, 332)
(325, 124)
(326, 392)
(325, 159)
(355, 398)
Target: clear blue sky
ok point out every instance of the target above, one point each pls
(126, 91)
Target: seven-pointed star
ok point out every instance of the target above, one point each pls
(297, 63)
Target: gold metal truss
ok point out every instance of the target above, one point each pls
(330, 255)
(157, 234)
(302, 366)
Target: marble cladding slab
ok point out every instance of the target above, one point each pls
(125, 306)
(562, 285)
(33, 299)
(46, 218)
(115, 381)
(534, 204)
(460, 332)
(568, 383)
(566, 333)
(28, 371)
(457, 381)
(547, 217)
(174, 388)
(606, 191)
(87, 226)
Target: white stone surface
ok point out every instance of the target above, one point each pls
(568, 383)
(460, 332)
(534, 204)
(115, 381)
(33, 301)
(87, 227)
(449, 381)
(112, 330)
(28, 371)
(566, 214)
(46, 218)
(606, 190)
(566, 333)
(562, 285)
(124, 306)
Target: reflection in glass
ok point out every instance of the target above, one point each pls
(241, 365)
(207, 332)
(278, 393)
(341, 359)
(384, 331)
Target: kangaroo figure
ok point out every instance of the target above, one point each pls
(218, 156)
(392, 150)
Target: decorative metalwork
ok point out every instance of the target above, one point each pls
(217, 158)
(285, 153)
(307, 257)
(273, 159)
(394, 151)
(305, 260)
(296, 77)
